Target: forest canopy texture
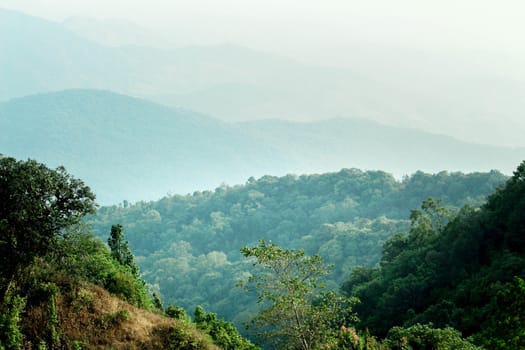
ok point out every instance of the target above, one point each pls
(467, 274)
(187, 246)
(453, 268)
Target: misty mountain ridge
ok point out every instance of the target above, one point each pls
(128, 148)
(239, 84)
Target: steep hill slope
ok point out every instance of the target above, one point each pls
(56, 277)
(467, 274)
(98, 320)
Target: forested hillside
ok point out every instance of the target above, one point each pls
(467, 274)
(408, 284)
(63, 288)
(188, 246)
(262, 176)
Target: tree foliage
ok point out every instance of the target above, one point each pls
(507, 330)
(426, 337)
(223, 333)
(295, 313)
(465, 272)
(36, 205)
(120, 249)
(10, 319)
(188, 245)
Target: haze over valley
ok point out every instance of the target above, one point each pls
(132, 149)
(220, 114)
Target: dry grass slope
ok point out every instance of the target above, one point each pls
(94, 319)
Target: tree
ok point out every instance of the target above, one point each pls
(222, 332)
(426, 337)
(296, 314)
(36, 205)
(505, 328)
(429, 221)
(120, 249)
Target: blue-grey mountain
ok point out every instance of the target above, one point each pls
(396, 87)
(131, 149)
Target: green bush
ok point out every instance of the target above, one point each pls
(10, 333)
(124, 283)
(350, 339)
(177, 312)
(182, 339)
(425, 337)
(223, 333)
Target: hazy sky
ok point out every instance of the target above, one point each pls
(466, 51)
(299, 26)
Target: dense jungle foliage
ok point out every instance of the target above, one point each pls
(467, 274)
(188, 246)
(443, 274)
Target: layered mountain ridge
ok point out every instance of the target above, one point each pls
(132, 149)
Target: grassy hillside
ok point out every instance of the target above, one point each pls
(95, 319)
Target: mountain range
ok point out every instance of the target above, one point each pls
(391, 86)
(128, 148)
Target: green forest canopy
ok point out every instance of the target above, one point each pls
(444, 267)
(187, 247)
(467, 274)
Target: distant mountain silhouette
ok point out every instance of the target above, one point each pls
(128, 148)
(393, 86)
(132, 149)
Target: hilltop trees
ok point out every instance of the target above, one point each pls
(188, 245)
(467, 273)
(52, 268)
(120, 249)
(36, 205)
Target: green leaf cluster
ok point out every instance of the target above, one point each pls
(223, 333)
(296, 312)
(36, 205)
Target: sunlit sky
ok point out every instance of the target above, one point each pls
(298, 27)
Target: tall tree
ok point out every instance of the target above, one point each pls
(120, 248)
(36, 205)
(296, 313)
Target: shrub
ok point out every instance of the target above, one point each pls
(10, 333)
